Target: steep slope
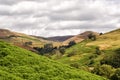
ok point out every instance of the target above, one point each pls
(19, 64)
(80, 37)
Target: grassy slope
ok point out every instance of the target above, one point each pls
(81, 54)
(20, 64)
(108, 40)
(84, 52)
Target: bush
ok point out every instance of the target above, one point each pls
(104, 70)
(28, 43)
(3, 54)
(98, 51)
(76, 65)
(117, 51)
(62, 50)
(71, 54)
(116, 75)
(113, 59)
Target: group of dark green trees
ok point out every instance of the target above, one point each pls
(109, 66)
(50, 49)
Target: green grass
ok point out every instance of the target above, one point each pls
(84, 52)
(19, 64)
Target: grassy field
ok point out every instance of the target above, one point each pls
(19, 64)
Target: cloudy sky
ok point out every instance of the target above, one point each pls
(59, 17)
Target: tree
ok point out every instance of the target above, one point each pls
(48, 47)
(71, 43)
(92, 36)
(100, 33)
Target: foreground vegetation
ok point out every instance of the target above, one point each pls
(20, 64)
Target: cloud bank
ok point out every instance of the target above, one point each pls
(59, 17)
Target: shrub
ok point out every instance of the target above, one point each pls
(71, 54)
(76, 65)
(62, 50)
(3, 54)
(113, 59)
(98, 51)
(116, 75)
(104, 70)
(117, 51)
(28, 43)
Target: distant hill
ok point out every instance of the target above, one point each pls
(20, 39)
(19, 64)
(80, 37)
(59, 38)
(5, 33)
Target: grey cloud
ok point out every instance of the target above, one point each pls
(85, 25)
(4, 10)
(78, 16)
(52, 16)
(12, 2)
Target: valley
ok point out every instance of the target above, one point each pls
(79, 54)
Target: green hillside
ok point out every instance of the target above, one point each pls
(84, 52)
(20, 64)
(91, 56)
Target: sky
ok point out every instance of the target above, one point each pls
(59, 17)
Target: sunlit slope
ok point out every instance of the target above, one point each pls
(20, 64)
(85, 55)
(108, 40)
(80, 37)
(20, 39)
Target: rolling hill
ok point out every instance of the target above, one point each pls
(20, 39)
(89, 54)
(59, 38)
(19, 64)
(82, 51)
(108, 40)
(80, 37)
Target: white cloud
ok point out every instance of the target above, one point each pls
(59, 17)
